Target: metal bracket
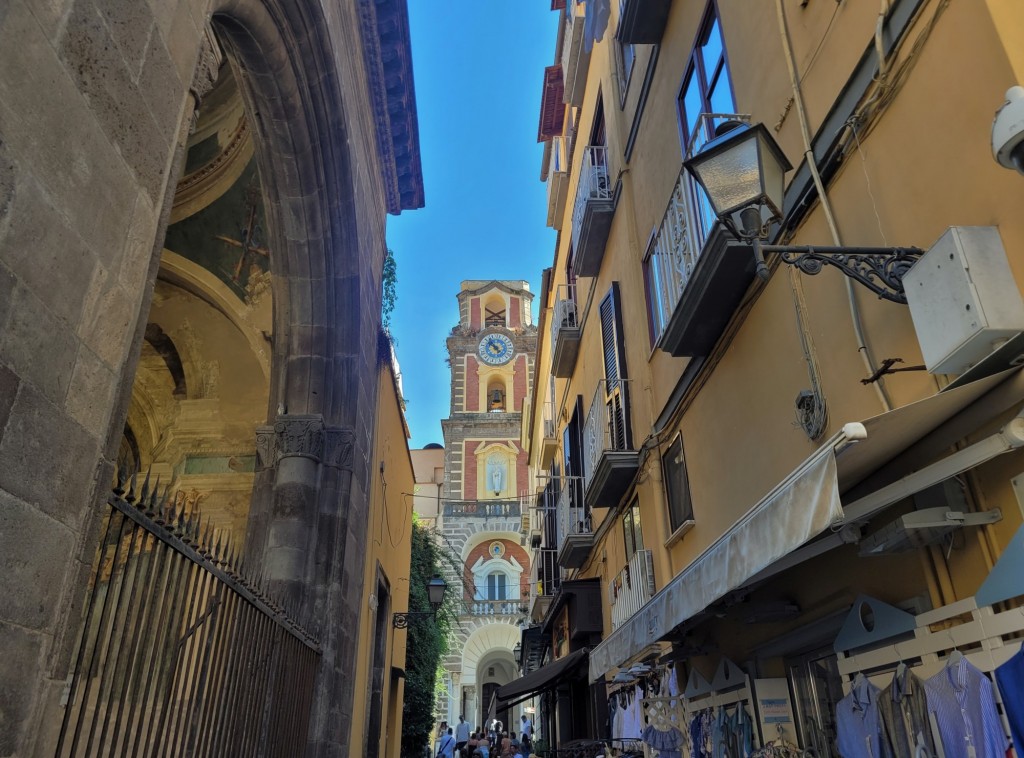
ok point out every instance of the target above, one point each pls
(401, 620)
(880, 269)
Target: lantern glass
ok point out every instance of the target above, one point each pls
(435, 591)
(742, 167)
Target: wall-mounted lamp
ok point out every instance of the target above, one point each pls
(742, 171)
(436, 587)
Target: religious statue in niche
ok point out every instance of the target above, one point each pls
(497, 474)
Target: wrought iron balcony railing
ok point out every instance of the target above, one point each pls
(593, 195)
(558, 180)
(632, 587)
(575, 59)
(483, 508)
(565, 331)
(607, 425)
(671, 258)
(545, 574)
(573, 515)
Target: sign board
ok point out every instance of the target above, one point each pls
(774, 709)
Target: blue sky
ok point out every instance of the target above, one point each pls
(478, 68)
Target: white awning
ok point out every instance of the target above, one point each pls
(800, 507)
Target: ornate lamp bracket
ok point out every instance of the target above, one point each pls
(880, 269)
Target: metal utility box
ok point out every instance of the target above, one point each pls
(963, 299)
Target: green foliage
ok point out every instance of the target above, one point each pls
(427, 642)
(389, 289)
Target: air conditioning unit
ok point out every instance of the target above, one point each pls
(963, 299)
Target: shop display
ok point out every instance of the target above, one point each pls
(963, 701)
(903, 705)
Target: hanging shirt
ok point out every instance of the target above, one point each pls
(1010, 678)
(861, 733)
(903, 705)
(963, 701)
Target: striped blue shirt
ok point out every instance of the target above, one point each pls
(861, 733)
(963, 701)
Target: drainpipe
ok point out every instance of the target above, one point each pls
(826, 205)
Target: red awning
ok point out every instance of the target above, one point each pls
(552, 109)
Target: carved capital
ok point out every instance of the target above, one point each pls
(207, 70)
(304, 436)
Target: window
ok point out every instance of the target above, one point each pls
(706, 85)
(497, 586)
(677, 486)
(626, 59)
(631, 530)
(616, 398)
(706, 89)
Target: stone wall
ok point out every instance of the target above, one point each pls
(95, 105)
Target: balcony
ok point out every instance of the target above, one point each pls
(642, 22)
(484, 509)
(558, 181)
(609, 460)
(545, 579)
(549, 442)
(696, 272)
(509, 607)
(630, 590)
(575, 525)
(592, 212)
(575, 60)
(565, 332)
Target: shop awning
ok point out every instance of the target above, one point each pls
(799, 508)
(542, 679)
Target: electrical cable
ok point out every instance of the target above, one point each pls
(826, 206)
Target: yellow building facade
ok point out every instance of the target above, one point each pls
(380, 662)
(732, 464)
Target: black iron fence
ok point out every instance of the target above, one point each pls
(182, 653)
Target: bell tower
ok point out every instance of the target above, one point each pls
(491, 352)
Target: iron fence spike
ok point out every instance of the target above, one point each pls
(145, 485)
(154, 504)
(133, 484)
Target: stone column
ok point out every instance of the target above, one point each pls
(295, 447)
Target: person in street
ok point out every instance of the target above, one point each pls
(483, 747)
(461, 735)
(526, 735)
(506, 746)
(447, 748)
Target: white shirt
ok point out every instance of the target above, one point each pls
(462, 732)
(527, 727)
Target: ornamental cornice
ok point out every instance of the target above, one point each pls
(388, 58)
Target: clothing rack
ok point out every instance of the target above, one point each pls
(986, 638)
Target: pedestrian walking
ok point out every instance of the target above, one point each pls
(447, 748)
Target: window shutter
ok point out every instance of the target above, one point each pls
(552, 109)
(611, 335)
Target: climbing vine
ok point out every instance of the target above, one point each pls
(427, 642)
(389, 289)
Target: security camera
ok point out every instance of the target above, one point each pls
(1008, 131)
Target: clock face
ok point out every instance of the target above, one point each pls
(495, 349)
